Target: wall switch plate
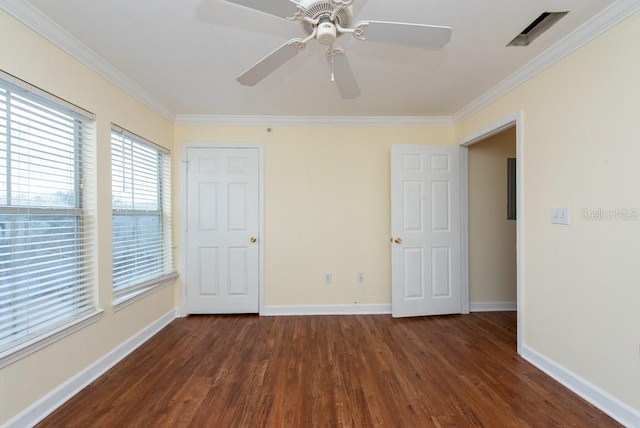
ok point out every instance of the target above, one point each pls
(328, 278)
(360, 277)
(559, 215)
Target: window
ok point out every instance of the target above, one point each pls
(141, 183)
(46, 273)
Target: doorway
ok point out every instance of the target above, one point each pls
(492, 233)
(485, 216)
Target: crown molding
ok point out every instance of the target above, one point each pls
(341, 121)
(33, 18)
(608, 18)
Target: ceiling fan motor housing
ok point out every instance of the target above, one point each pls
(318, 9)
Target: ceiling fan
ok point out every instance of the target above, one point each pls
(325, 21)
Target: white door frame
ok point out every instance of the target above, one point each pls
(183, 215)
(501, 125)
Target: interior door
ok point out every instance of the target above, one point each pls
(223, 220)
(425, 226)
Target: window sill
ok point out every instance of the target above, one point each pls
(124, 298)
(18, 352)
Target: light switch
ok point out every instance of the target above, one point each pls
(559, 215)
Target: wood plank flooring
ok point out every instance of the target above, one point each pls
(342, 371)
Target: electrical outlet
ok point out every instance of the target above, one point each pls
(328, 278)
(360, 277)
(559, 215)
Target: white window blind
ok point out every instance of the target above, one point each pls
(141, 202)
(46, 269)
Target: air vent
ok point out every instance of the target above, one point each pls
(536, 28)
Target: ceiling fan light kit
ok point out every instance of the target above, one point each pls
(326, 21)
(327, 32)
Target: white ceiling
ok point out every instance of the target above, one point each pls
(187, 53)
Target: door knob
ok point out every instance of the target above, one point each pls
(398, 241)
(253, 239)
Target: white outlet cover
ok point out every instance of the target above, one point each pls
(560, 215)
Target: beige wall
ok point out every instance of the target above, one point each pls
(327, 198)
(492, 238)
(26, 55)
(581, 149)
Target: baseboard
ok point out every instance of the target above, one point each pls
(356, 309)
(45, 406)
(492, 306)
(615, 408)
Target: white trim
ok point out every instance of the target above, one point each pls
(182, 308)
(490, 131)
(600, 398)
(611, 16)
(464, 228)
(182, 311)
(333, 121)
(261, 233)
(516, 120)
(365, 309)
(493, 306)
(126, 297)
(46, 405)
(33, 18)
(16, 353)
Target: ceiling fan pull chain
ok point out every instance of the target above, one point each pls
(333, 77)
(331, 55)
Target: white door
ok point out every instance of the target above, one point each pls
(425, 227)
(223, 219)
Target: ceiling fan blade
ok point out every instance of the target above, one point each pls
(287, 9)
(271, 62)
(342, 73)
(419, 36)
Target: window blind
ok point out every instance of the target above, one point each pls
(141, 203)
(46, 267)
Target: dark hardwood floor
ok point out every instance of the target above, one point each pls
(342, 371)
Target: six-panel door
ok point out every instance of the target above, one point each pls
(425, 225)
(222, 230)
